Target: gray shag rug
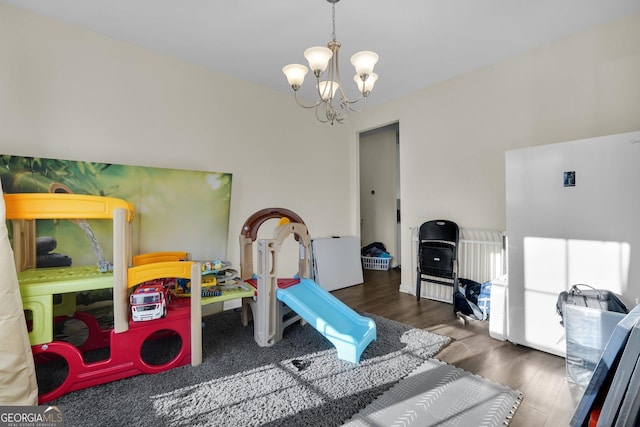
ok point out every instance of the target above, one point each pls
(297, 382)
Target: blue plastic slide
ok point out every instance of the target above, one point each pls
(348, 331)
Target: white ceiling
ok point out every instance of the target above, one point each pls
(420, 42)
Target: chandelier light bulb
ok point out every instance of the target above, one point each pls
(295, 74)
(364, 62)
(318, 58)
(366, 86)
(327, 89)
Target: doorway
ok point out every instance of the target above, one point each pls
(380, 189)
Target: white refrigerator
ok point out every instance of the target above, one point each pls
(573, 216)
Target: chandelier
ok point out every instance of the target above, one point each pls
(332, 104)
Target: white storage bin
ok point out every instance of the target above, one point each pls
(587, 333)
(375, 263)
(498, 318)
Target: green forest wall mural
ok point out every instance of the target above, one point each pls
(176, 210)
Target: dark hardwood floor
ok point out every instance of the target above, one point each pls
(548, 399)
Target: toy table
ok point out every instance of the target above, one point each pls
(39, 285)
(229, 294)
(229, 291)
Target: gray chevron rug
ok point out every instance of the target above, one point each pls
(438, 394)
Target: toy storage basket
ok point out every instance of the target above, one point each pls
(375, 263)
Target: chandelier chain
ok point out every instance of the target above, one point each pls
(333, 20)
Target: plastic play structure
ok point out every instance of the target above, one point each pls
(279, 303)
(127, 338)
(49, 295)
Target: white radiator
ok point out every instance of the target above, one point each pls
(481, 258)
(481, 254)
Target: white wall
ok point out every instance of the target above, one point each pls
(453, 135)
(68, 93)
(72, 94)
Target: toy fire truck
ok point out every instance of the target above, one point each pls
(149, 302)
